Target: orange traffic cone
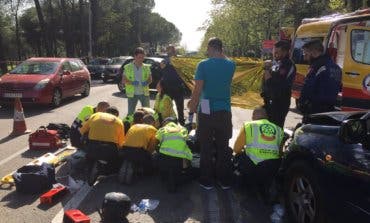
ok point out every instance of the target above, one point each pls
(19, 124)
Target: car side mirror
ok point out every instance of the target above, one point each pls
(353, 131)
(66, 72)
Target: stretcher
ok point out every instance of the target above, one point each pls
(52, 158)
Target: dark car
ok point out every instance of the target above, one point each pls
(154, 68)
(113, 69)
(45, 81)
(326, 169)
(97, 66)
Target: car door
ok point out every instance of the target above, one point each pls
(66, 79)
(352, 181)
(356, 68)
(78, 80)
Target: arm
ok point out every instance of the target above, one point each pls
(85, 127)
(150, 79)
(124, 79)
(240, 141)
(194, 101)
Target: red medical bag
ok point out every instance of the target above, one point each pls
(75, 216)
(43, 138)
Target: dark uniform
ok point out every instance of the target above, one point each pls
(176, 89)
(321, 86)
(276, 91)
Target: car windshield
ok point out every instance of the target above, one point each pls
(99, 61)
(35, 67)
(116, 61)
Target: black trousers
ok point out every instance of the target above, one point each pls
(99, 150)
(258, 176)
(75, 137)
(277, 110)
(169, 165)
(139, 156)
(214, 131)
(177, 94)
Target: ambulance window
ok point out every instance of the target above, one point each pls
(297, 56)
(360, 45)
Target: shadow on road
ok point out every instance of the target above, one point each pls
(119, 94)
(16, 200)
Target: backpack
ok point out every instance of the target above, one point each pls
(34, 179)
(115, 207)
(62, 129)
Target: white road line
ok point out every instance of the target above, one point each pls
(73, 203)
(13, 156)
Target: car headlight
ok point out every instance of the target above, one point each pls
(41, 84)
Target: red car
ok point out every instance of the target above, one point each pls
(45, 81)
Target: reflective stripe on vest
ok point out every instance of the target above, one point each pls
(130, 75)
(173, 143)
(260, 147)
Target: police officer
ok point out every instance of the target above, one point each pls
(84, 114)
(257, 150)
(174, 154)
(277, 85)
(137, 77)
(322, 83)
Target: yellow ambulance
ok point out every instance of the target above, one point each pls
(346, 38)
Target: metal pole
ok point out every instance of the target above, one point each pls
(90, 35)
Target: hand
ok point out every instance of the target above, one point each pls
(267, 64)
(135, 83)
(192, 105)
(144, 83)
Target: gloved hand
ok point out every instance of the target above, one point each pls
(144, 83)
(135, 83)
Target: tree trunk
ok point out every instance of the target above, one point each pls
(3, 66)
(43, 27)
(51, 28)
(66, 30)
(94, 29)
(83, 39)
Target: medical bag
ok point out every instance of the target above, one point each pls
(43, 138)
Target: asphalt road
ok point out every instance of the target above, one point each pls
(190, 204)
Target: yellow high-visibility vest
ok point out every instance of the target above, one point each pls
(130, 75)
(263, 139)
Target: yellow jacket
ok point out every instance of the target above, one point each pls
(164, 106)
(141, 136)
(104, 127)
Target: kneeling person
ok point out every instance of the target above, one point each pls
(105, 133)
(257, 149)
(174, 154)
(138, 147)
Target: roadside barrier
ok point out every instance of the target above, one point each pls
(19, 122)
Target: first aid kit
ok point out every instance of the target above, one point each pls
(43, 138)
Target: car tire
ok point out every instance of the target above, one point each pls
(302, 195)
(121, 87)
(93, 174)
(86, 90)
(56, 98)
(126, 173)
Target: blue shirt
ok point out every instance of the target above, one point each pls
(217, 74)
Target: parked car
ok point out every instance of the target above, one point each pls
(45, 81)
(96, 67)
(326, 169)
(113, 68)
(154, 67)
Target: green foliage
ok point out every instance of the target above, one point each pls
(118, 26)
(244, 24)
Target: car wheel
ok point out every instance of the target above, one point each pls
(121, 87)
(126, 173)
(93, 174)
(57, 98)
(302, 194)
(86, 90)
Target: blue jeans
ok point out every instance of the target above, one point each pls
(132, 102)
